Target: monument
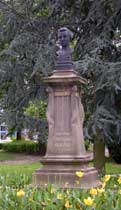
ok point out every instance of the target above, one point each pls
(66, 152)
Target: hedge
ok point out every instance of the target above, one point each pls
(27, 147)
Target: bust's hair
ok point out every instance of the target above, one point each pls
(66, 29)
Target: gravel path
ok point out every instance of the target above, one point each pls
(29, 159)
(21, 159)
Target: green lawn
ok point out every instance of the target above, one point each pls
(21, 175)
(19, 169)
(111, 167)
(17, 175)
(7, 156)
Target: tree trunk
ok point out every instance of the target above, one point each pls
(30, 135)
(18, 135)
(99, 156)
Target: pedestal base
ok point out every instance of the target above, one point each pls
(65, 150)
(60, 171)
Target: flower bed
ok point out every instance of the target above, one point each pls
(19, 195)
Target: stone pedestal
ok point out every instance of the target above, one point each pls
(65, 150)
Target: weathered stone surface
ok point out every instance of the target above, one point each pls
(61, 171)
(65, 150)
(65, 116)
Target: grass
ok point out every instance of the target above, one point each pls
(27, 169)
(7, 156)
(19, 169)
(111, 166)
(17, 175)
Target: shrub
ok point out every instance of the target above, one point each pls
(115, 151)
(87, 144)
(27, 147)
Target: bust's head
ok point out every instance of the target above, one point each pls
(64, 37)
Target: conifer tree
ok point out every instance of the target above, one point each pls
(27, 42)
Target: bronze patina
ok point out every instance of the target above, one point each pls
(64, 54)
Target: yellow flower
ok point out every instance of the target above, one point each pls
(20, 193)
(103, 184)
(52, 190)
(100, 190)
(80, 174)
(89, 201)
(43, 203)
(31, 200)
(78, 205)
(107, 178)
(93, 192)
(67, 192)
(60, 196)
(77, 182)
(119, 180)
(48, 199)
(119, 192)
(67, 205)
(66, 184)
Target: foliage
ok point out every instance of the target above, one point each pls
(88, 144)
(15, 180)
(36, 111)
(24, 197)
(27, 43)
(27, 147)
(21, 56)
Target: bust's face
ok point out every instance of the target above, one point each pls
(64, 38)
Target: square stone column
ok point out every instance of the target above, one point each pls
(66, 152)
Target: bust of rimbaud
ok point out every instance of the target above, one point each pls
(64, 52)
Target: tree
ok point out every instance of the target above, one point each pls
(36, 111)
(22, 50)
(29, 30)
(95, 24)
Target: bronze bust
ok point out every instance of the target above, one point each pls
(64, 54)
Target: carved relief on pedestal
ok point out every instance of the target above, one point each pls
(50, 111)
(77, 119)
(77, 107)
